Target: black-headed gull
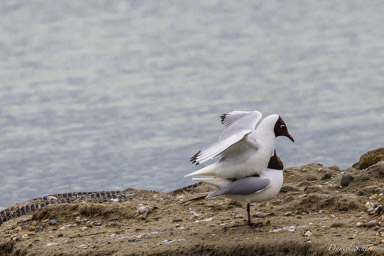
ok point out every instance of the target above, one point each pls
(250, 189)
(244, 150)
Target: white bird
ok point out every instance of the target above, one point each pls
(244, 151)
(250, 189)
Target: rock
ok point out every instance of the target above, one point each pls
(346, 179)
(53, 222)
(304, 183)
(177, 220)
(372, 223)
(337, 225)
(321, 211)
(258, 215)
(113, 219)
(311, 178)
(326, 176)
(369, 158)
(238, 216)
(288, 188)
(359, 224)
(376, 170)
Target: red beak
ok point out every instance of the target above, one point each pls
(291, 138)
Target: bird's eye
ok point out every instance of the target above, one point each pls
(283, 127)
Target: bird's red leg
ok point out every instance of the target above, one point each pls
(252, 225)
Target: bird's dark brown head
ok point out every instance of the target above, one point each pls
(281, 129)
(275, 162)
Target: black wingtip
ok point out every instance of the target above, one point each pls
(194, 157)
(223, 116)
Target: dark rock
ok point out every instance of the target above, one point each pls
(304, 183)
(133, 240)
(346, 179)
(53, 222)
(177, 220)
(311, 178)
(288, 188)
(372, 223)
(370, 158)
(326, 176)
(337, 225)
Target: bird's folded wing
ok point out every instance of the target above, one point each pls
(218, 147)
(244, 186)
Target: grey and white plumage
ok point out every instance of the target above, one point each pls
(250, 189)
(244, 149)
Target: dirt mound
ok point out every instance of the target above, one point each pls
(320, 211)
(370, 158)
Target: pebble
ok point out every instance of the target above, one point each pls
(238, 216)
(31, 228)
(308, 233)
(176, 220)
(113, 219)
(359, 224)
(38, 229)
(51, 244)
(83, 246)
(321, 211)
(258, 215)
(60, 235)
(372, 223)
(53, 222)
(346, 179)
(133, 240)
(97, 223)
(326, 176)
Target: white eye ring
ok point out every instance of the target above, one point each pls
(282, 126)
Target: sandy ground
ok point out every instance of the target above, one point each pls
(320, 211)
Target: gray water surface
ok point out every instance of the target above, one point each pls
(101, 95)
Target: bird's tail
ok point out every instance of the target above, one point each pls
(210, 170)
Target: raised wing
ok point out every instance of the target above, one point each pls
(240, 120)
(229, 118)
(244, 186)
(237, 124)
(219, 146)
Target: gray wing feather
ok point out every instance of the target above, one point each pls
(244, 186)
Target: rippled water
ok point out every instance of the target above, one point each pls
(112, 94)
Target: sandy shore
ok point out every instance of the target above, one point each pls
(320, 211)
